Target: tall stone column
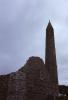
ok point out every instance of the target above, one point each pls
(50, 58)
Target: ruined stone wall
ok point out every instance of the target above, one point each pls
(31, 82)
(11, 95)
(16, 86)
(3, 86)
(37, 80)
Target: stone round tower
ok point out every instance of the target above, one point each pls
(50, 58)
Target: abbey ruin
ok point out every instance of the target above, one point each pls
(36, 80)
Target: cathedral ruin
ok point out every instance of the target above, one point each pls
(36, 80)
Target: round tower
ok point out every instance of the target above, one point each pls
(50, 58)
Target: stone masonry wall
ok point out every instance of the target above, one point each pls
(37, 80)
(16, 87)
(3, 86)
(31, 82)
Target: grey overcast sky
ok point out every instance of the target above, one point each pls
(22, 33)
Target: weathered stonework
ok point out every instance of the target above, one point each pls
(17, 86)
(3, 86)
(35, 80)
(50, 60)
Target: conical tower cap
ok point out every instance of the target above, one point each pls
(49, 26)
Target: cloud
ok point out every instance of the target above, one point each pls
(22, 32)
